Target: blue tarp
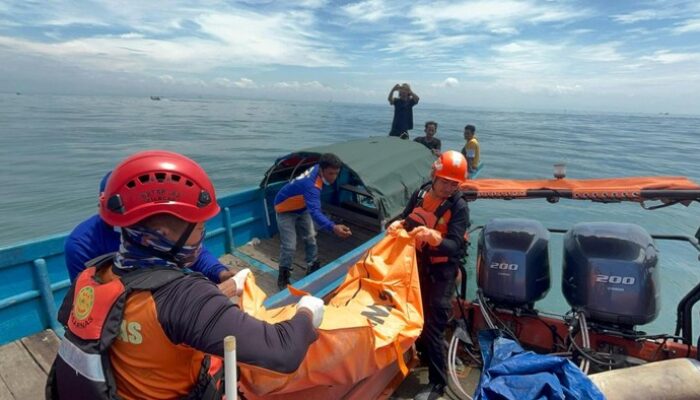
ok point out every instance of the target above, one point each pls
(512, 373)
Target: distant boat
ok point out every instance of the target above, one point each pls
(19, 94)
(155, 98)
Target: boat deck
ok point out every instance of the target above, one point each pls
(25, 363)
(330, 247)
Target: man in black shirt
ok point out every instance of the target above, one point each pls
(440, 214)
(429, 140)
(403, 110)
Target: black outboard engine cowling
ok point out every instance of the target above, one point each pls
(610, 273)
(513, 261)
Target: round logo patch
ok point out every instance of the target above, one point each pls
(83, 303)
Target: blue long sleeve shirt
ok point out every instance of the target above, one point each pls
(93, 237)
(304, 193)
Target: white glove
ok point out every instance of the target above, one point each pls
(240, 279)
(394, 227)
(315, 305)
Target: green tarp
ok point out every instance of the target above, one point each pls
(391, 169)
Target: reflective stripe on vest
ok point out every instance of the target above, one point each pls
(88, 365)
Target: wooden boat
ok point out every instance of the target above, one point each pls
(378, 177)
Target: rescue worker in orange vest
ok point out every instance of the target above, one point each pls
(138, 326)
(441, 217)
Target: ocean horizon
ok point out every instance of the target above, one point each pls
(424, 103)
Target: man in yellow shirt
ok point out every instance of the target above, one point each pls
(471, 149)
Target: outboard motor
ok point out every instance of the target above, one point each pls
(609, 273)
(513, 261)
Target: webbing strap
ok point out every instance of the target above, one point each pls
(89, 365)
(443, 207)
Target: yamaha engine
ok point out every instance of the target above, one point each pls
(513, 261)
(610, 273)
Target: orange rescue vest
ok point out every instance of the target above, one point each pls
(435, 213)
(115, 347)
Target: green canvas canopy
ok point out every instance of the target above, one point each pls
(388, 168)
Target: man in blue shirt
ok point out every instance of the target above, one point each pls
(298, 205)
(93, 237)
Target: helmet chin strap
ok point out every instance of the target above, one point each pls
(169, 255)
(182, 240)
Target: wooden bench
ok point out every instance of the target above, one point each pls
(360, 219)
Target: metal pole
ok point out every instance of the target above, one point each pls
(229, 231)
(44, 283)
(231, 383)
(264, 192)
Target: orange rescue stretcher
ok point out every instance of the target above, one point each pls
(636, 189)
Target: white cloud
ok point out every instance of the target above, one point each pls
(506, 30)
(241, 39)
(315, 85)
(566, 89)
(528, 47)
(223, 82)
(71, 20)
(665, 10)
(603, 52)
(499, 15)
(6, 23)
(425, 46)
(131, 35)
(176, 81)
(449, 82)
(501, 46)
(312, 3)
(168, 79)
(367, 11)
(691, 25)
(639, 15)
(559, 68)
(668, 57)
(243, 83)
(268, 39)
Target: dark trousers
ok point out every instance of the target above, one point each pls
(437, 286)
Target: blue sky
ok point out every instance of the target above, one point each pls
(636, 56)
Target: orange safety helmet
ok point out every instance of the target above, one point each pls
(451, 165)
(157, 182)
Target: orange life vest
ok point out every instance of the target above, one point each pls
(435, 213)
(115, 347)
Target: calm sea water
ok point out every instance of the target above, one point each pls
(55, 149)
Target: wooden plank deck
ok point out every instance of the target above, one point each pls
(25, 363)
(330, 247)
(24, 366)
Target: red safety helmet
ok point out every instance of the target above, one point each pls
(155, 182)
(451, 165)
